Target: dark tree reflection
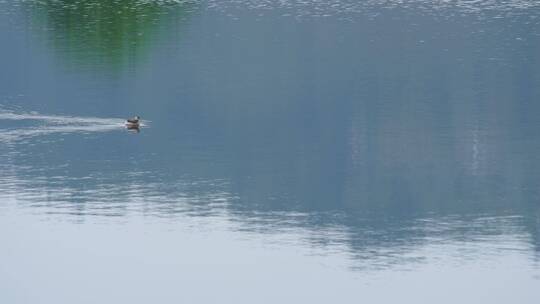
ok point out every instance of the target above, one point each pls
(102, 33)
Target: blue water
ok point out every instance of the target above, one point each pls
(291, 151)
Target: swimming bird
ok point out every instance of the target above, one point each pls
(133, 122)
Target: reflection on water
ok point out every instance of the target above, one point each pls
(360, 195)
(109, 35)
(351, 9)
(403, 141)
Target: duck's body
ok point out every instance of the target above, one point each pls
(133, 122)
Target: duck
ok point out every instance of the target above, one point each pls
(133, 122)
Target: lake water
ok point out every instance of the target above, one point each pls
(292, 151)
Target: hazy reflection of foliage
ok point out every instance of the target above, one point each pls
(104, 33)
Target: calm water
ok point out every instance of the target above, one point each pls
(292, 151)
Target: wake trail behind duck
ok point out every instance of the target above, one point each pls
(48, 124)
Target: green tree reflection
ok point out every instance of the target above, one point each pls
(105, 34)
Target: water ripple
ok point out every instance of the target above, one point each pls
(50, 124)
(350, 8)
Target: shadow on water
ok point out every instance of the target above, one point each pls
(101, 34)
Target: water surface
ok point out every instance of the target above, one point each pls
(292, 151)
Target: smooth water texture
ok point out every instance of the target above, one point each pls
(291, 151)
